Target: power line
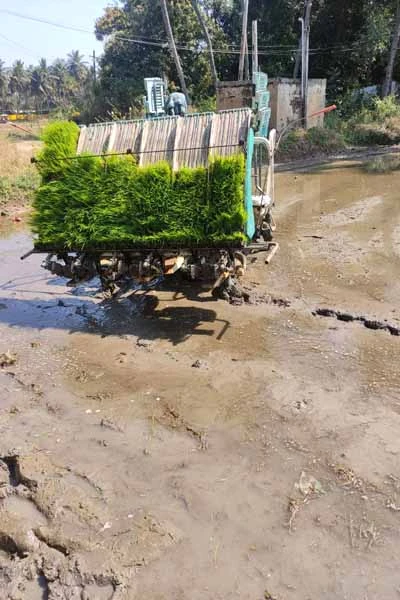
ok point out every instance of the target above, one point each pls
(30, 52)
(154, 42)
(44, 21)
(81, 30)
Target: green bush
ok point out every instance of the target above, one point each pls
(353, 103)
(377, 110)
(206, 104)
(386, 108)
(93, 202)
(374, 122)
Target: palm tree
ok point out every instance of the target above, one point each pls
(18, 82)
(76, 65)
(41, 84)
(61, 84)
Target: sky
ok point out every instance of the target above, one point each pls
(30, 41)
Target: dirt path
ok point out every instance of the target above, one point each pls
(173, 447)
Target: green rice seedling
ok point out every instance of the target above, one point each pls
(93, 202)
(227, 214)
(60, 141)
(110, 218)
(189, 206)
(148, 199)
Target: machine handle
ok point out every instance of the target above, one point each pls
(28, 254)
(325, 110)
(23, 129)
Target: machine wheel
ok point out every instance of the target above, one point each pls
(267, 232)
(230, 290)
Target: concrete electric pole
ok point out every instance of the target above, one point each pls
(255, 46)
(172, 47)
(203, 25)
(243, 45)
(306, 18)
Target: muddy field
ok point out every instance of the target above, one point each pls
(173, 447)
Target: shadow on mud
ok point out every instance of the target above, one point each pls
(178, 323)
(140, 315)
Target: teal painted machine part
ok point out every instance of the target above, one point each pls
(248, 187)
(261, 103)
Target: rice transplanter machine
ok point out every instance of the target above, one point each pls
(189, 141)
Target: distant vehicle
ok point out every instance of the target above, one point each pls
(22, 115)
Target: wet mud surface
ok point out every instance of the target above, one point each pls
(172, 446)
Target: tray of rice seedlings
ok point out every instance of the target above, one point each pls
(108, 203)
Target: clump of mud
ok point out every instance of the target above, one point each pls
(366, 321)
(256, 299)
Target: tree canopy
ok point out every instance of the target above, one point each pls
(349, 42)
(350, 46)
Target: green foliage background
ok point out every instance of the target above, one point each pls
(350, 41)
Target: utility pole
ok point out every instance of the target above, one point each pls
(255, 46)
(307, 58)
(172, 47)
(306, 18)
(246, 62)
(387, 85)
(245, 7)
(203, 25)
(303, 60)
(94, 67)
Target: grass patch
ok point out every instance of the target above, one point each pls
(19, 189)
(317, 141)
(382, 164)
(15, 155)
(384, 133)
(96, 202)
(18, 178)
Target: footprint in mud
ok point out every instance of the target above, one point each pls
(58, 533)
(24, 509)
(19, 515)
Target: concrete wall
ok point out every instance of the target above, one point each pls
(234, 94)
(286, 103)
